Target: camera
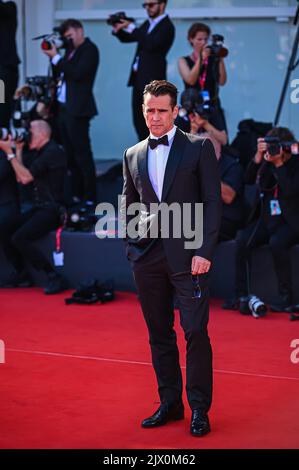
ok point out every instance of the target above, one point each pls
(54, 39)
(17, 134)
(39, 88)
(275, 145)
(4, 133)
(118, 17)
(194, 101)
(81, 219)
(257, 306)
(20, 123)
(216, 47)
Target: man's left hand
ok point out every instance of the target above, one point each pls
(200, 265)
(51, 52)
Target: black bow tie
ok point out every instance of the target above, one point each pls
(153, 143)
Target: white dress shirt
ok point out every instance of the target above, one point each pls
(61, 88)
(157, 161)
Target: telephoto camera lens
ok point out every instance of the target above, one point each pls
(257, 307)
(4, 133)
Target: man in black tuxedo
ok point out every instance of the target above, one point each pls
(9, 59)
(173, 167)
(76, 105)
(154, 37)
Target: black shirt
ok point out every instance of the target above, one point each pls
(8, 27)
(212, 78)
(286, 178)
(48, 170)
(231, 173)
(8, 182)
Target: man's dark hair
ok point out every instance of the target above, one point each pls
(162, 88)
(70, 23)
(283, 133)
(198, 28)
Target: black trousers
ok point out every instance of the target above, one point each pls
(21, 231)
(228, 229)
(9, 215)
(138, 119)
(280, 239)
(10, 76)
(156, 286)
(74, 135)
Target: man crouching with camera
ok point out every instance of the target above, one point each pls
(46, 173)
(275, 217)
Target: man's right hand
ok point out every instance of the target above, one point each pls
(121, 25)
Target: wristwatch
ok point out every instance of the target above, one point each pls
(10, 156)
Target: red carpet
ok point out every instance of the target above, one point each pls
(80, 377)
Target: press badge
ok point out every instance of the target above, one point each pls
(58, 258)
(275, 207)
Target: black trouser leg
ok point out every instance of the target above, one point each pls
(74, 135)
(194, 316)
(138, 119)
(156, 297)
(10, 77)
(228, 229)
(280, 243)
(33, 226)
(252, 236)
(78, 132)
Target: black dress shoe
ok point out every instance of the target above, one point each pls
(56, 283)
(199, 423)
(164, 414)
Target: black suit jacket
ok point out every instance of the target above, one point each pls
(79, 75)
(8, 27)
(191, 176)
(287, 178)
(152, 50)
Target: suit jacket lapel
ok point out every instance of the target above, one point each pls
(174, 158)
(142, 159)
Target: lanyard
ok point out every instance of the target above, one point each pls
(203, 76)
(58, 234)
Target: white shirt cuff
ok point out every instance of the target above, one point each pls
(56, 59)
(130, 28)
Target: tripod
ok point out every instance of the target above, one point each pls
(291, 67)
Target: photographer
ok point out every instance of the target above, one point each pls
(204, 69)
(275, 215)
(231, 174)
(42, 91)
(47, 175)
(76, 105)
(154, 37)
(9, 59)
